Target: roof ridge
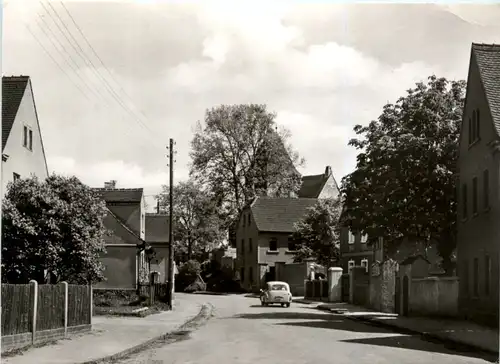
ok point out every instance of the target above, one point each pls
(118, 189)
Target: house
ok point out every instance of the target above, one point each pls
(22, 145)
(319, 186)
(263, 237)
(125, 263)
(157, 236)
(478, 196)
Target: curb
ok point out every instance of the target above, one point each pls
(424, 335)
(205, 313)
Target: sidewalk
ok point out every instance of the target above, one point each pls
(459, 332)
(110, 336)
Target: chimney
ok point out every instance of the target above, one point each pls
(111, 185)
(328, 171)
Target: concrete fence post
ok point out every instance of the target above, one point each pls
(335, 284)
(34, 306)
(66, 296)
(91, 302)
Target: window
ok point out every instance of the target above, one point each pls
(291, 245)
(16, 176)
(30, 139)
(25, 136)
(487, 275)
(464, 201)
(351, 237)
(364, 263)
(476, 277)
(486, 189)
(242, 245)
(250, 245)
(474, 126)
(273, 244)
(350, 264)
(474, 195)
(364, 238)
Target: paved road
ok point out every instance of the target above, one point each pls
(244, 332)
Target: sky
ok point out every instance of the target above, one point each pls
(113, 81)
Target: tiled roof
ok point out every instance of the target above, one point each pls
(157, 228)
(279, 214)
(120, 194)
(488, 61)
(312, 186)
(12, 93)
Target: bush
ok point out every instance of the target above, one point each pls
(188, 272)
(196, 286)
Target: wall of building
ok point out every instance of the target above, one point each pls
(330, 190)
(434, 296)
(294, 274)
(132, 214)
(120, 263)
(246, 258)
(22, 161)
(160, 262)
(478, 236)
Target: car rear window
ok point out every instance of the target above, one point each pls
(278, 287)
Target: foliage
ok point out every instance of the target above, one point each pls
(317, 234)
(404, 184)
(197, 227)
(54, 225)
(188, 273)
(239, 154)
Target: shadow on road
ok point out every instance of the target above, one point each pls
(413, 342)
(340, 322)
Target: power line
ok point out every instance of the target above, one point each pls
(89, 62)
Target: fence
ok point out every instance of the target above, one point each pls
(155, 292)
(33, 313)
(316, 289)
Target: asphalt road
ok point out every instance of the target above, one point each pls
(244, 332)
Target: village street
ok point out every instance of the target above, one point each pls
(244, 332)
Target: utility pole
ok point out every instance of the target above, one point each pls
(171, 227)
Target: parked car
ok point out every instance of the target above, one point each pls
(276, 292)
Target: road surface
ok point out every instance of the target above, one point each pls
(244, 332)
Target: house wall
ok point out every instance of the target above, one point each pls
(246, 259)
(356, 252)
(160, 262)
(21, 160)
(330, 189)
(434, 296)
(132, 214)
(478, 236)
(294, 274)
(120, 263)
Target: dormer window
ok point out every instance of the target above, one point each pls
(27, 137)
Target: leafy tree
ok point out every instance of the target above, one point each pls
(188, 272)
(196, 223)
(404, 184)
(239, 154)
(55, 225)
(317, 234)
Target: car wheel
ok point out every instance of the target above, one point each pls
(288, 305)
(282, 305)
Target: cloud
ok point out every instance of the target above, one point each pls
(322, 67)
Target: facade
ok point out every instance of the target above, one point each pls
(22, 145)
(319, 186)
(157, 236)
(479, 180)
(126, 222)
(263, 237)
(354, 250)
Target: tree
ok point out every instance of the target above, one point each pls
(239, 154)
(404, 184)
(55, 226)
(317, 234)
(196, 224)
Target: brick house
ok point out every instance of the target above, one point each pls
(126, 222)
(479, 199)
(319, 186)
(157, 236)
(22, 145)
(263, 237)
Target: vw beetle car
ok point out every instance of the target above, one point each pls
(276, 292)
